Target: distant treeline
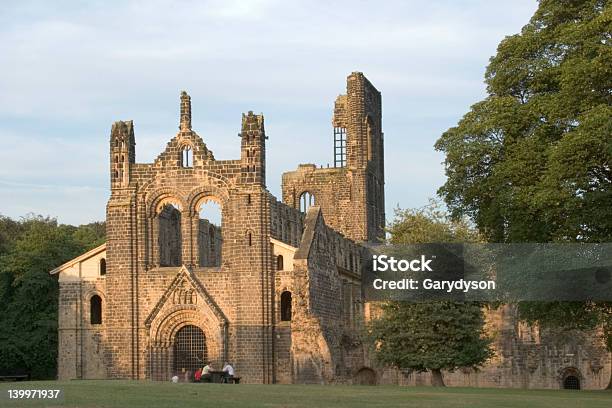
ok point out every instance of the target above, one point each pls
(29, 249)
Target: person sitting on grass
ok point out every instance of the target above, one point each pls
(198, 375)
(228, 372)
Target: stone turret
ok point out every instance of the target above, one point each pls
(185, 121)
(122, 153)
(253, 149)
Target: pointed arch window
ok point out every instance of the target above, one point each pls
(186, 156)
(307, 199)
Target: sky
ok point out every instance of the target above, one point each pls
(68, 70)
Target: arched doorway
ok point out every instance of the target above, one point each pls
(189, 349)
(571, 382)
(570, 379)
(365, 376)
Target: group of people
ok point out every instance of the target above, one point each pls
(204, 374)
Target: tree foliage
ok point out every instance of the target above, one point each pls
(29, 249)
(431, 336)
(532, 161)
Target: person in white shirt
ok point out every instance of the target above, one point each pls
(206, 377)
(228, 371)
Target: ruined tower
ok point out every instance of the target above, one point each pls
(351, 194)
(253, 149)
(122, 153)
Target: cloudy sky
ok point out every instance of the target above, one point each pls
(69, 69)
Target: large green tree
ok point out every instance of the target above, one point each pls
(430, 336)
(532, 161)
(29, 249)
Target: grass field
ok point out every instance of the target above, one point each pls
(123, 394)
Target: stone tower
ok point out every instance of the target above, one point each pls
(351, 194)
(253, 149)
(122, 153)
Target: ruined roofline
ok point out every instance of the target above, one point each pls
(186, 135)
(310, 167)
(283, 244)
(304, 216)
(313, 217)
(82, 257)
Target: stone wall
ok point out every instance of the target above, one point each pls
(525, 357)
(325, 343)
(81, 352)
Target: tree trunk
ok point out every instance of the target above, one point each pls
(436, 378)
(609, 387)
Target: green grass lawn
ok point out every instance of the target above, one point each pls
(122, 394)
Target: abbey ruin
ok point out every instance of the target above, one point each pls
(272, 286)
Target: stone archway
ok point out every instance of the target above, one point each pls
(181, 342)
(571, 379)
(365, 376)
(184, 303)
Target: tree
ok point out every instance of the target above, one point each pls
(28, 294)
(430, 335)
(532, 161)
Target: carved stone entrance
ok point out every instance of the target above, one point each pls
(186, 328)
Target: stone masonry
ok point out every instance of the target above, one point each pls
(275, 287)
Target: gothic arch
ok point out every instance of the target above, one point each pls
(157, 199)
(93, 292)
(196, 202)
(570, 378)
(163, 333)
(186, 156)
(365, 376)
(307, 199)
(86, 304)
(210, 192)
